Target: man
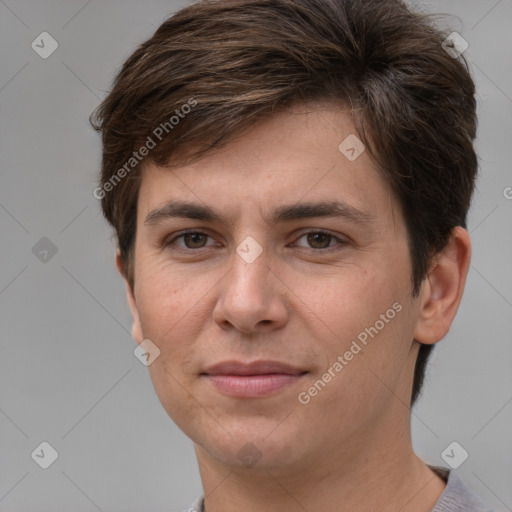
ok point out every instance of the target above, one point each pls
(289, 196)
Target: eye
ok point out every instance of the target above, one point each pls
(191, 240)
(313, 240)
(320, 240)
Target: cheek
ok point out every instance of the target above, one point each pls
(360, 386)
(350, 301)
(368, 315)
(169, 300)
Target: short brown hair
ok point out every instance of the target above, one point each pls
(234, 62)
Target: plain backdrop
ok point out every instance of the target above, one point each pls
(68, 375)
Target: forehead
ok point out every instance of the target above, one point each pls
(304, 153)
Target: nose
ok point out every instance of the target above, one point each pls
(251, 298)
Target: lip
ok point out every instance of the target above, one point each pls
(252, 380)
(255, 368)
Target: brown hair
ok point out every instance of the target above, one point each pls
(233, 62)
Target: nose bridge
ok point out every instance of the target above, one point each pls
(249, 280)
(249, 296)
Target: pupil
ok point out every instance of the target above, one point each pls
(193, 239)
(315, 239)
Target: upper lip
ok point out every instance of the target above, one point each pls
(254, 368)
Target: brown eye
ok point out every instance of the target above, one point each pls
(191, 240)
(319, 240)
(194, 240)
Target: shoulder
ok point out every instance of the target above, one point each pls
(457, 497)
(196, 506)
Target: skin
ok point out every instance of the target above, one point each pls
(350, 447)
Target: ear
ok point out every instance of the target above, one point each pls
(441, 291)
(130, 295)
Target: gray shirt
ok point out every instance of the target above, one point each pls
(456, 496)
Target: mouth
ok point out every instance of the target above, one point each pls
(253, 380)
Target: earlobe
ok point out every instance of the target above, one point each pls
(442, 289)
(130, 296)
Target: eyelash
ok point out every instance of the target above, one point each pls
(328, 249)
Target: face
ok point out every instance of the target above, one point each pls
(277, 248)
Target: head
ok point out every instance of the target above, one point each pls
(239, 106)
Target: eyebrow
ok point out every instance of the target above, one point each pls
(285, 213)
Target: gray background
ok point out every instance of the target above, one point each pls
(68, 375)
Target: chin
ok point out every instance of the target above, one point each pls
(250, 448)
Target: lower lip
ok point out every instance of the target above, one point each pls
(252, 386)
